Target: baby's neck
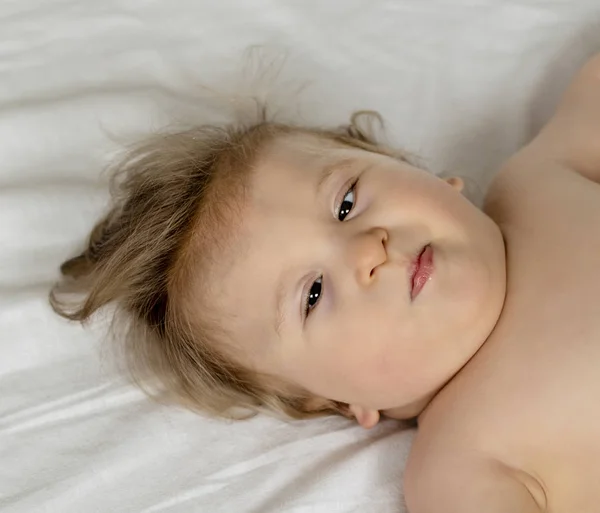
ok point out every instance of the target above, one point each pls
(491, 341)
(410, 411)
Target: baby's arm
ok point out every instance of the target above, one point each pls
(466, 487)
(572, 136)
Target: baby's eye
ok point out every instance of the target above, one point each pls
(347, 204)
(312, 298)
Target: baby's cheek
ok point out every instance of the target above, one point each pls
(373, 367)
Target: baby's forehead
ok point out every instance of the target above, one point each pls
(302, 148)
(290, 165)
(299, 162)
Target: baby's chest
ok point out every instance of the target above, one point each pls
(552, 308)
(544, 415)
(546, 399)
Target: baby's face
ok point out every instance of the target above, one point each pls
(359, 277)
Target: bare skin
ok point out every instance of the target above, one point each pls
(518, 428)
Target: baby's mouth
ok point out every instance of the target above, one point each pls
(421, 271)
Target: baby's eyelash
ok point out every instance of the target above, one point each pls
(313, 293)
(341, 213)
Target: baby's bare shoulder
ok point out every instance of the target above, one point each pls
(530, 187)
(569, 140)
(565, 151)
(443, 476)
(571, 136)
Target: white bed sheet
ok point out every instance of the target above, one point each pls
(461, 83)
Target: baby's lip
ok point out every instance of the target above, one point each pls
(420, 270)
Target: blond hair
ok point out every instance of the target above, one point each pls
(172, 196)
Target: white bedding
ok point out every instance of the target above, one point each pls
(461, 83)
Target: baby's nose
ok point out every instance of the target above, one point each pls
(367, 253)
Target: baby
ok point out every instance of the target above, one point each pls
(308, 271)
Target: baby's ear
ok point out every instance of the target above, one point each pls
(456, 183)
(364, 416)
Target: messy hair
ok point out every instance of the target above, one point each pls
(172, 196)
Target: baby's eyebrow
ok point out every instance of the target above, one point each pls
(279, 310)
(327, 171)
